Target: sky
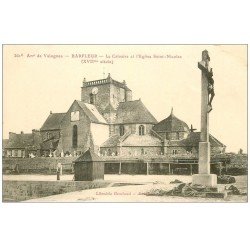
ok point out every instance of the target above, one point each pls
(38, 79)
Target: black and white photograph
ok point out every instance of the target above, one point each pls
(125, 123)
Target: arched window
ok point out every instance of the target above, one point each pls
(121, 130)
(174, 152)
(141, 130)
(74, 137)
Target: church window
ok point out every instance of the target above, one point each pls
(141, 130)
(142, 151)
(74, 136)
(122, 130)
(92, 98)
(174, 152)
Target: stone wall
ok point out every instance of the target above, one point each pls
(37, 165)
(131, 151)
(26, 190)
(52, 133)
(83, 131)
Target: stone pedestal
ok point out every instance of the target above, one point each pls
(208, 180)
(204, 177)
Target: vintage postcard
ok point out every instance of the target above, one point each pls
(124, 123)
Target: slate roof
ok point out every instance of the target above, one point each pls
(92, 112)
(112, 141)
(142, 141)
(171, 124)
(53, 121)
(89, 156)
(133, 140)
(193, 140)
(133, 112)
(20, 141)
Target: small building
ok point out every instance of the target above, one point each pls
(23, 144)
(89, 167)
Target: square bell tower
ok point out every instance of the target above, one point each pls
(105, 94)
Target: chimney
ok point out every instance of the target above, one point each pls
(50, 112)
(21, 132)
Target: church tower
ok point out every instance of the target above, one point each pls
(105, 94)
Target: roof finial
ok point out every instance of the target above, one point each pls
(172, 111)
(192, 129)
(84, 80)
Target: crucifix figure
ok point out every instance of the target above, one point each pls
(208, 73)
(211, 93)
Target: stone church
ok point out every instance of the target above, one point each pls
(117, 127)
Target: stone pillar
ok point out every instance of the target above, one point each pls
(204, 177)
(147, 168)
(191, 169)
(120, 168)
(204, 145)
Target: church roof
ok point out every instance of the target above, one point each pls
(92, 112)
(53, 121)
(112, 141)
(142, 141)
(133, 112)
(133, 140)
(89, 156)
(171, 124)
(193, 140)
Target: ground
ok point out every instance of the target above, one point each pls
(129, 188)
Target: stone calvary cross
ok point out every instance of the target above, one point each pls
(207, 89)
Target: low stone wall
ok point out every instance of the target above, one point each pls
(26, 190)
(41, 165)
